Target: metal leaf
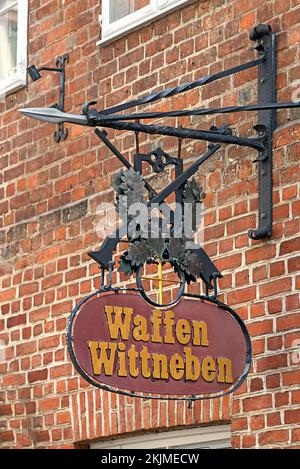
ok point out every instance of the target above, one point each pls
(130, 188)
(192, 192)
(137, 253)
(175, 248)
(125, 266)
(191, 265)
(156, 246)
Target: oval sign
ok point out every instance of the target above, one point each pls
(196, 348)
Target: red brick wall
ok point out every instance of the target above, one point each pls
(49, 194)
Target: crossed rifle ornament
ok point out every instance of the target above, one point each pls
(188, 260)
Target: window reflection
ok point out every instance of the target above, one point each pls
(8, 38)
(120, 8)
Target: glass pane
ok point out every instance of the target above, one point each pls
(120, 8)
(6, 3)
(8, 41)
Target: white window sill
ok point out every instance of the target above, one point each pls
(115, 32)
(10, 86)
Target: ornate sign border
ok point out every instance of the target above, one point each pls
(172, 397)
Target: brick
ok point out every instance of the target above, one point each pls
(241, 295)
(273, 436)
(63, 418)
(7, 295)
(291, 377)
(75, 212)
(295, 434)
(257, 403)
(16, 320)
(275, 306)
(292, 302)
(47, 405)
(273, 381)
(288, 322)
(229, 262)
(257, 422)
(281, 399)
(289, 246)
(274, 287)
(274, 343)
(240, 224)
(256, 384)
(260, 327)
(28, 289)
(5, 410)
(272, 362)
(38, 375)
(239, 424)
(292, 416)
(273, 419)
(49, 342)
(248, 441)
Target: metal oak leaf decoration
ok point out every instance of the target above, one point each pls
(137, 253)
(130, 188)
(157, 246)
(192, 192)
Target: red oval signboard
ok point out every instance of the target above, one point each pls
(120, 343)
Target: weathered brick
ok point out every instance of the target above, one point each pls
(273, 436)
(38, 375)
(75, 211)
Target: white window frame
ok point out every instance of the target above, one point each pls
(145, 15)
(18, 80)
(210, 437)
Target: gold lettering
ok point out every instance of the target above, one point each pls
(145, 356)
(169, 323)
(120, 323)
(99, 360)
(183, 331)
(140, 329)
(200, 333)
(122, 371)
(208, 369)
(160, 363)
(192, 363)
(224, 370)
(177, 367)
(133, 355)
(156, 321)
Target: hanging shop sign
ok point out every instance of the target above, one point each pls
(195, 349)
(166, 346)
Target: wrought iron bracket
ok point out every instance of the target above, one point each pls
(265, 127)
(61, 133)
(115, 118)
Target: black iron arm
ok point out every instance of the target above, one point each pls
(195, 112)
(184, 87)
(214, 137)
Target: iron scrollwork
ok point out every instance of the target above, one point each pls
(190, 264)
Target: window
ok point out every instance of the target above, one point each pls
(121, 16)
(13, 40)
(212, 437)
